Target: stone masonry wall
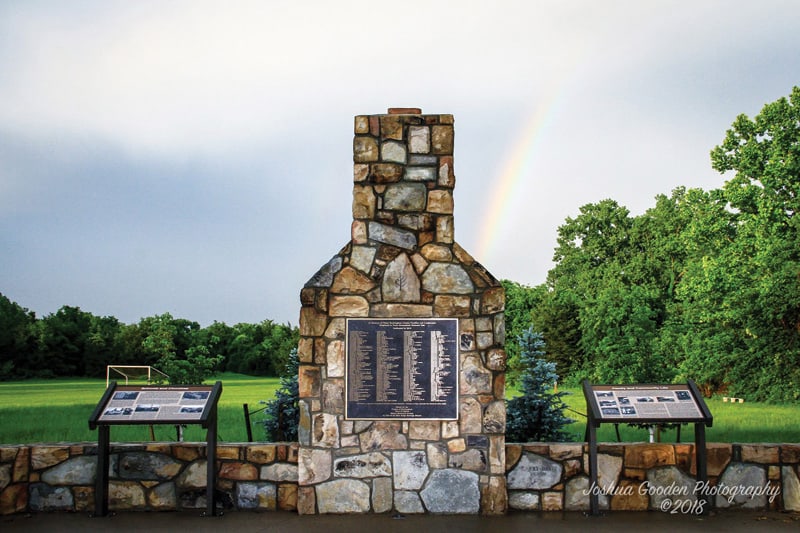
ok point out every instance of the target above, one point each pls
(147, 477)
(263, 477)
(660, 477)
(402, 262)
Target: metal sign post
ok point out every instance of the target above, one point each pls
(149, 405)
(646, 404)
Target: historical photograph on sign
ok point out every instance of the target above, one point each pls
(402, 369)
(156, 403)
(645, 401)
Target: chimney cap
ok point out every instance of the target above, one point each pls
(405, 111)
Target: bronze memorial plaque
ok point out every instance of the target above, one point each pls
(403, 368)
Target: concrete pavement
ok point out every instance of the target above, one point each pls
(280, 522)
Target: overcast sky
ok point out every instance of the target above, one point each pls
(195, 157)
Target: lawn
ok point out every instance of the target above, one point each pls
(58, 410)
(733, 422)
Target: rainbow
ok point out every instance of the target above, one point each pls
(517, 168)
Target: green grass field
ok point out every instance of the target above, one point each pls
(58, 410)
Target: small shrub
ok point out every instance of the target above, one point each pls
(282, 414)
(538, 414)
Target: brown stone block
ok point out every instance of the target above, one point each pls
(287, 497)
(261, 453)
(351, 281)
(452, 306)
(499, 387)
(361, 124)
(440, 202)
(312, 322)
(447, 177)
(307, 296)
(185, 453)
(442, 140)
(456, 445)
(358, 232)
(494, 497)
(308, 381)
(513, 453)
(425, 237)
(405, 310)
(320, 351)
(238, 471)
(364, 201)
(718, 455)
(647, 456)
(228, 451)
(75, 450)
(306, 501)
(14, 499)
(292, 451)
(405, 111)
(559, 452)
(572, 467)
(45, 456)
(611, 448)
(391, 127)
(305, 350)
(374, 125)
(774, 473)
(424, 430)
(360, 172)
(496, 359)
(493, 301)
(629, 496)
(21, 468)
(552, 501)
(365, 149)
(444, 228)
(321, 302)
(83, 498)
(385, 173)
(383, 435)
(538, 449)
(158, 447)
(790, 454)
(8, 453)
(760, 453)
(348, 306)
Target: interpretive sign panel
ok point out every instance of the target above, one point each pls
(401, 368)
(173, 404)
(152, 404)
(646, 403)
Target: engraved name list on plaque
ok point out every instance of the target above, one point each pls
(400, 369)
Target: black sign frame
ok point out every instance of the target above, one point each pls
(382, 383)
(694, 409)
(199, 407)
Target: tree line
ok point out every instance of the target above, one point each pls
(703, 285)
(73, 342)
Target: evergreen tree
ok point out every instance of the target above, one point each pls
(538, 414)
(283, 412)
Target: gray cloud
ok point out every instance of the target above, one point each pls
(195, 157)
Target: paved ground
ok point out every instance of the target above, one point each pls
(280, 522)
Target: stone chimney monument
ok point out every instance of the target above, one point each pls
(402, 366)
